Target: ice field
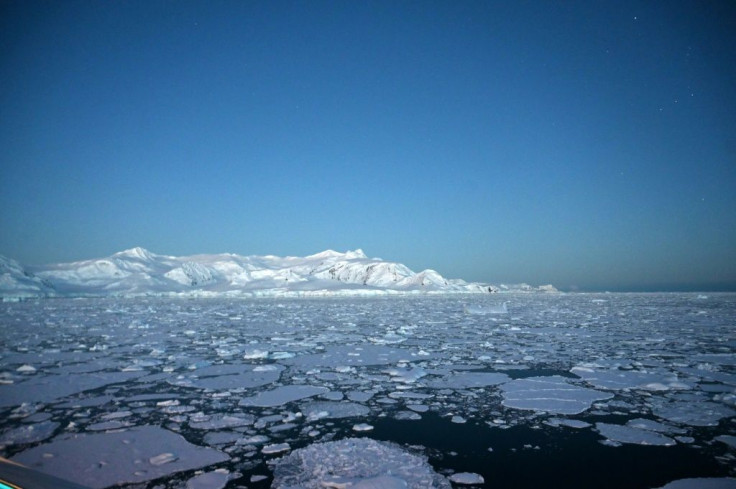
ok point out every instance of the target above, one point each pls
(499, 390)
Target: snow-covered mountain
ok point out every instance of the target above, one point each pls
(18, 283)
(137, 271)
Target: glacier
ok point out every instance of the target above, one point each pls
(139, 272)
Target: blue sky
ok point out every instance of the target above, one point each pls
(587, 144)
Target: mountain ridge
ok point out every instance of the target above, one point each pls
(140, 272)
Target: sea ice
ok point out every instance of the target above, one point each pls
(28, 433)
(254, 378)
(48, 388)
(552, 394)
(702, 483)
(630, 379)
(467, 478)
(362, 427)
(282, 395)
(627, 434)
(729, 440)
(105, 459)
(569, 423)
(355, 463)
(219, 421)
(217, 479)
(275, 448)
(333, 410)
(692, 412)
(468, 380)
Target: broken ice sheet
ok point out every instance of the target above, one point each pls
(552, 394)
(101, 460)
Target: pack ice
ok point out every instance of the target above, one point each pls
(173, 392)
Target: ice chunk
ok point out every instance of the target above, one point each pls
(627, 434)
(355, 463)
(648, 424)
(28, 433)
(282, 395)
(700, 413)
(51, 387)
(106, 459)
(467, 380)
(219, 421)
(729, 440)
(552, 394)
(217, 479)
(253, 378)
(362, 427)
(702, 483)
(327, 409)
(467, 478)
(630, 379)
(275, 448)
(352, 356)
(569, 423)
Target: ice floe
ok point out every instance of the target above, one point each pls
(101, 460)
(554, 394)
(355, 463)
(628, 434)
(282, 395)
(467, 478)
(702, 483)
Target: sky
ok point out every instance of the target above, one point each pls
(587, 144)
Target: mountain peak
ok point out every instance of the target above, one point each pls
(137, 252)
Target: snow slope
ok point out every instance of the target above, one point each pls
(17, 283)
(137, 272)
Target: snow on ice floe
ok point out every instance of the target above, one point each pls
(627, 434)
(554, 394)
(629, 379)
(355, 463)
(282, 395)
(101, 460)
